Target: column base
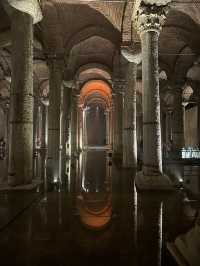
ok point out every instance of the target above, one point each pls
(159, 182)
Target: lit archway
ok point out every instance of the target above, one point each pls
(95, 114)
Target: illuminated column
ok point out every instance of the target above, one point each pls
(55, 84)
(130, 108)
(111, 125)
(107, 126)
(149, 20)
(21, 102)
(4, 142)
(74, 125)
(37, 135)
(61, 135)
(74, 152)
(168, 125)
(44, 144)
(118, 107)
(80, 127)
(168, 131)
(84, 128)
(184, 104)
(66, 122)
(178, 125)
(129, 119)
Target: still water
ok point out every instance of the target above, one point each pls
(98, 219)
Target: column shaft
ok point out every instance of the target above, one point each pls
(118, 107)
(74, 126)
(21, 102)
(152, 157)
(65, 127)
(111, 127)
(36, 137)
(44, 145)
(55, 82)
(84, 128)
(129, 119)
(178, 125)
(107, 116)
(168, 126)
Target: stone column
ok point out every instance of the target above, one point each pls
(44, 144)
(4, 138)
(85, 143)
(168, 125)
(21, 104)
(167, 138)
(111, 126)
(129, 119)
(61, 135)
(55, 83)
(36, 137)
(107, 116)
(74, 152)
(80, 128)
(184, 104)
(118, 107)
(74, 126)
(67, 94)
(149, 19)
(178, 125)
(7, 138)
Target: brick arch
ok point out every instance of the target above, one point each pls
(93, 71)
(87, 32)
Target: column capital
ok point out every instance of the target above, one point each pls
(69, 84)
(30, 7)
(131, 55)
(151, 15)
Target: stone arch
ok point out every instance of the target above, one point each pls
(175, 55)
(93, 50)
(88, 32)
(93, 71)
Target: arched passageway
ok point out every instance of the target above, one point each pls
(96, 123)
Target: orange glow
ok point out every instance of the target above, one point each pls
(93, 87)
(95, 222)
(95, 219)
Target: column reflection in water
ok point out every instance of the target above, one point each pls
(94, 191)
(149, 226)
(135, 214)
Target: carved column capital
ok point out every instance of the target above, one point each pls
(150, 17)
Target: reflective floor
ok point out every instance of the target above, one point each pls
(101, 220)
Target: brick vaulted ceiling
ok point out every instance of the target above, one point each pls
(88, 32)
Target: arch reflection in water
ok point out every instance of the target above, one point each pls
(94, 199)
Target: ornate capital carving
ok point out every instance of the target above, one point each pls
(150, 17)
